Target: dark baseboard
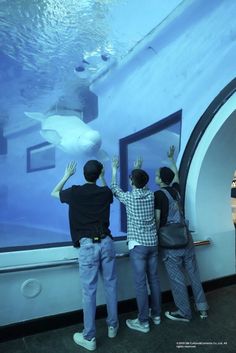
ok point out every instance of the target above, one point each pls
(48, 323)
(219, 282)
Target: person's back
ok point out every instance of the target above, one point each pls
(176, 260)
(140, 216)
(171, 213)
(142, 245)
(89, 212)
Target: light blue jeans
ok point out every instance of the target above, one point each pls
(144, 264)
(95, 257)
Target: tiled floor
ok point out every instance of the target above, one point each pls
(216, 334)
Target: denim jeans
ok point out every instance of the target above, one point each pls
(144, 264)
(95, 258)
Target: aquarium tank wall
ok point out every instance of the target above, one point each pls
(52, 54)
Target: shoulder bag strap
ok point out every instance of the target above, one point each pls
(178, 201)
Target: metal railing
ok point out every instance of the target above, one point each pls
(202, 242)
(68, 262)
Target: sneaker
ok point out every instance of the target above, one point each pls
(176, 316)
(112, 331)
(81, 341)
(138, 326)
(156, 319)
(203, 314)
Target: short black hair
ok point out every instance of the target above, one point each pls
(92, 170)
(139, 178)
(167, 175)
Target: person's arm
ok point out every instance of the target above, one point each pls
(173, 165)
(157, 218)
(115, 166)
(102, 178)
(116, 190)
(70, 170)
(158, 204)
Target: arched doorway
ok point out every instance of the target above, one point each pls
(208, 177)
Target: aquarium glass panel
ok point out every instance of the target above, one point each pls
(52, 51)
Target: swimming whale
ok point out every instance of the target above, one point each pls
(70, 134)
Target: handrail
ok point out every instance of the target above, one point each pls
(42, 265)
(202, 242)
(39, 265)
(67, 262)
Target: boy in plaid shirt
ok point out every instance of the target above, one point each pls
(142, 244)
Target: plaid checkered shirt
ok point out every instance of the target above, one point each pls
(141, 225)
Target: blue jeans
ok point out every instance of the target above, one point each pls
(144, 264)
(95, 257)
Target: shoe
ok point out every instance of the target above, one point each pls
(176, 316)
(112, 331)
(81, 341)
(156, 319)
(203, 314)
(138, 326)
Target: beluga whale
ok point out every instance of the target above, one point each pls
(70, 134)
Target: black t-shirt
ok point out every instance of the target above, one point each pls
(89, 210)
(162, 202)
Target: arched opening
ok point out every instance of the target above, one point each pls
(208, 176)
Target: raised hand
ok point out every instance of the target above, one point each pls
(171, 152)
(115, 162)
(173, 165)
(102, 173)
(102, 178)
(138, 163)
(70, 169)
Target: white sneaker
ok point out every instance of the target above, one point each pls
(176, 316)
(112, 331)
(203, 314)
(156, 319)
(138, 326)
(81, 341)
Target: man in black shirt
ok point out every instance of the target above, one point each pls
(177, 261)
(89, 212)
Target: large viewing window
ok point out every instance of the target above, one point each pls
(152, 144)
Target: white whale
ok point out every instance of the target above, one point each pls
(70, 134)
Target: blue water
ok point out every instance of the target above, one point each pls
(42, 44)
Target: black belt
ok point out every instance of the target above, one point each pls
(98, 238)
